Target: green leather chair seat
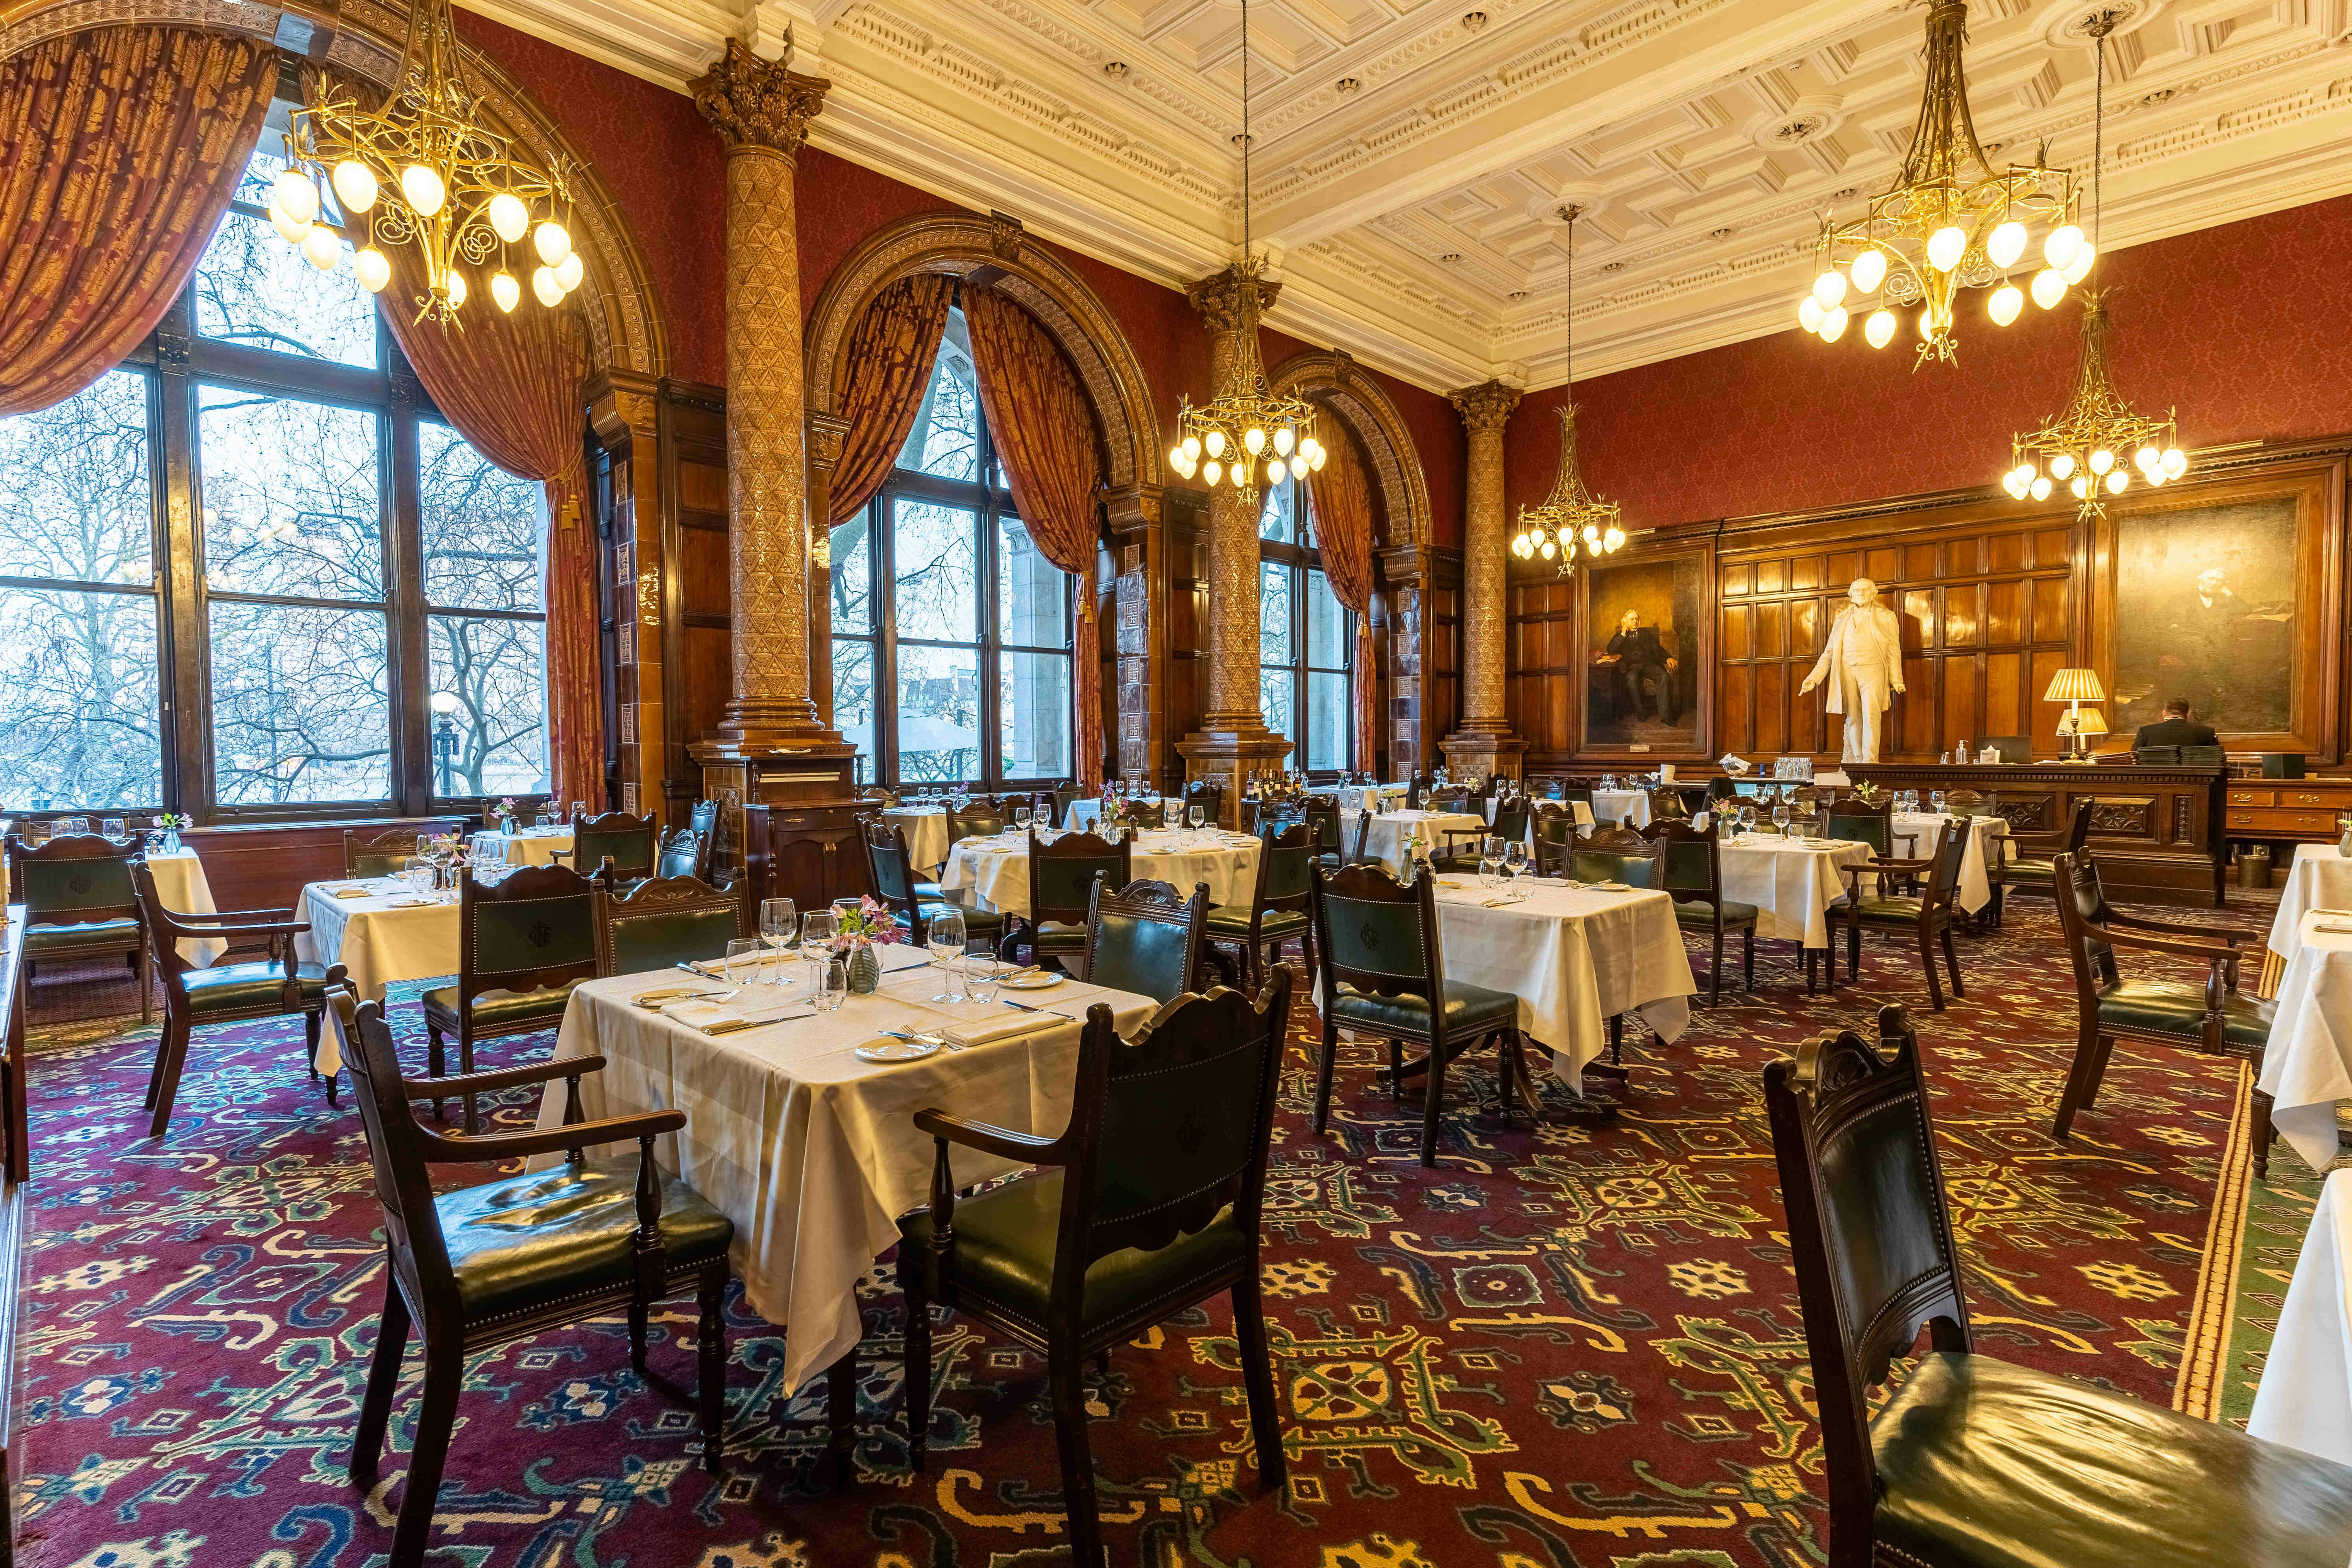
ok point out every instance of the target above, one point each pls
(2029, 870)
(534, 1239)
(1470, 1010)
(1003, 1251)
(2177, 1007)
(499, 1009)
(930, 893)
(90, 933)
(1894, 911)
(1699, 912)
(1231, 923)
(1985, 1465)
(232, 988)
(975, 921)
(1061, 936)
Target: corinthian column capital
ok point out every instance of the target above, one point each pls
(757, 103)
(1486, 408)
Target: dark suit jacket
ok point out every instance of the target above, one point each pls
(1641, 647)
(2176, 732)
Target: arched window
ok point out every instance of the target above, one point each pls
(1304, 637)
(237, 573)
(951, 633)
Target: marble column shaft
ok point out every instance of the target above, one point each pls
(1232, 694)
(1486, 411)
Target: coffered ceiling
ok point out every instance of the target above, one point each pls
(1412, 157)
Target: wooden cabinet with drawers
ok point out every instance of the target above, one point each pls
(2303, 810)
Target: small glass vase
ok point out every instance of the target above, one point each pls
(171, 841)
(864, 971)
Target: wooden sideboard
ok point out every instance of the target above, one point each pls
(2293, 810)
(809, 854)
(2158, 833)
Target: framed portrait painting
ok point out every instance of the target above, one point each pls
(1649, 643)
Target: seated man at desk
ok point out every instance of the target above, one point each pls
(2176, 728)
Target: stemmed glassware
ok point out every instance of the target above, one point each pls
(1021, 817)
(1936, 798)
(1780, 816)
(1196, 813)
(780, 924)
(946, 939)
(1490, 860)
(1515, 864)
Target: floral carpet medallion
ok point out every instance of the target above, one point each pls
(1568, 1346)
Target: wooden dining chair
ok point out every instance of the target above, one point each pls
(1553, 826)
(384, 853)
(2028, 861)
(1618, 855)
(224, 993)
(1209, 795)
(1512, 815)
(1693, 878)
(1276, 910)
(680, 856)
(892, 873)
(630, 843)
(523, 944)
(1146, 938)
(2214, 1018)
(1382, 971)
(1148, 813)
(665, 921)
(1148, 1205)
(980, 819)
(1973, 1462)
(1061, 888)
(79, 903)
(518, 1254)
(1065, 796)
(1926, 914)
(1321, 814)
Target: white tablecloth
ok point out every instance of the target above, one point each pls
(2305, 1399)
(925, 829)
(1086, 810)
(1626, 807)
(376, 943)
(2317, 879)
(994, 873)
(1790, 884)
(1575, 958)
(1975, 890)
(180, 884)
(533, 846)
(1385, 842)
(812, 1151)
(2307, 1066)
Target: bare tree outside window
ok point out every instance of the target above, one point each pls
(484, 530)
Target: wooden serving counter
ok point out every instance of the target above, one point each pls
(2158, 833)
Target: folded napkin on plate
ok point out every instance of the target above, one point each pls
(352, 893)
(715, 1018)
(1003, 1028)
(2334, 929)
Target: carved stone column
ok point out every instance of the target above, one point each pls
(1484, 743)
(1232, 743)
(770, 746)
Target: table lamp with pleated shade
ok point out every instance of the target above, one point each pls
(2074, 688)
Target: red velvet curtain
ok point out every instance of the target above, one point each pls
(891, 354)
(1044, 434)
(125, 145)
(1339, 499)
(510, 381)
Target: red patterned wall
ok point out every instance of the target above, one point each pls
(2245, 329)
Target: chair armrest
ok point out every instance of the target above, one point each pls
(2041, 843)
(1004, 1142)
(496, 1079)
(449, 1149)
(238, 917)
(2179, 928)
(2159, 944)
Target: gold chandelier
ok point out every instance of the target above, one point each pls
(1950, 221)
(2083, 447)
(1246, 432)
(423, 170)
(1571, 518)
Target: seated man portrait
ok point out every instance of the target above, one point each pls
(2176, 728)
(1639, 658)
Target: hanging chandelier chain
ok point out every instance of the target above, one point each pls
(1571, 521)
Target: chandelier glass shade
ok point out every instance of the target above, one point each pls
(2091, 449)
(1246, 436)
(1571, 521)
(1952, 222)
(423, 170)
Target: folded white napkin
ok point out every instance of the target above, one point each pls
(1013, 1022)
(713, 1017)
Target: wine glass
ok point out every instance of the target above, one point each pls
(1515, 864)
(1021, 817)
(1196, 813)
(1936, 799)
(1490, 860)
(946, 939)
(1780, 816)
(779, 924)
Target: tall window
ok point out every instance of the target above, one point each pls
(355, 618)
(951, 633)
(1304, 637)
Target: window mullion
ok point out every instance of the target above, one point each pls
(407, 636)
(884, 555)
(187, 641)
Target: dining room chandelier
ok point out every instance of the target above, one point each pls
(1571, 521)
(424, 170)
(1247, 433)
(2085, 447)
(1951, 221)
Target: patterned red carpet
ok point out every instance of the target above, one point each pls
(1573, 1345)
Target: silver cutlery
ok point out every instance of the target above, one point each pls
(1025, 1006)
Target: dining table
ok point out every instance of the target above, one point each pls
(810, 1148)
(925, 829)
(991, 872)
(1791, 881)
(382, 930)
(2319, 877)
(526, 847)
(1974, 890)
(2305, 1397)
(1625, 807)
(181, 886)
(1391, 830)
(2307, 1063)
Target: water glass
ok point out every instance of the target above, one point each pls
(983, 975)
(1490, 862)
(745, 957)
(831, 987)
(74, 825)
(779, 924)
(946, 939)
(112, 828)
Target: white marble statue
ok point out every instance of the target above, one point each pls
(1866, 650)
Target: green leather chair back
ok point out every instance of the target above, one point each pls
(680, 856)
(1510, 822)
(1209, 796)
(1285, 866)
(1062, 874)
(1186, 1116)
(536, 921)
(1453, 798)
(1321, 814)
(886, 861)
(626, 841)
(2082, 903)
(384, 853)
(1147, 945)
(665, 921)
(1147, 814)
(78, 880)
(1590, 866)
(1064, 798)
(1860, 825)
(704, 819)
(1383, 940)
(1951, 851)
(1554, 828)
(978, 820)
(1689, 867)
